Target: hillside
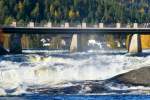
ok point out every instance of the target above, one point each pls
(75, 11)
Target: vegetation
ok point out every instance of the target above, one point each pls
(74, 11)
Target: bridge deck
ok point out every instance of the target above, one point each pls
(71, 30)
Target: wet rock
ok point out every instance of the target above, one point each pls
(136, 77)
(56, 90)
(71, 89)
(94, 87)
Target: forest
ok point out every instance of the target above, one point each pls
(74, 11)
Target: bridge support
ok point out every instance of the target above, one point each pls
(15, 42)
(74, 43)
(134, 44)
(79, 42)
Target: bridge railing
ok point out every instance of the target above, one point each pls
(81, 25)
(112, 25)
(144, 25)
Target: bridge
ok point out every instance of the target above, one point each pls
(60, 30)
(79, 29)
(76, 32)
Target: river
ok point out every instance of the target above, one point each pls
(64, 75)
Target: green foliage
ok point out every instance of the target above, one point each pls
(91, 11)
(8, 20)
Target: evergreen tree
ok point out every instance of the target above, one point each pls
(91, 11)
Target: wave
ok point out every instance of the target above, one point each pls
(49, 70)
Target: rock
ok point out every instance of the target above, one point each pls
(135, 77)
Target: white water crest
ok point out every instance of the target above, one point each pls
(51, 70)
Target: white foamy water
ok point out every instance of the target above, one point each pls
(49, 70)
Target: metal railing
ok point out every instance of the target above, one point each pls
(81, 25)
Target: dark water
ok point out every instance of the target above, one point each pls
(80, 97)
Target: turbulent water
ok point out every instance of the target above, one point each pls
(59, 73)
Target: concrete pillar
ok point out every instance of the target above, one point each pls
(66, 25)
(135, 25)
(79, 42)
(15, 42)
(134, 44)
(83, 42)
(49, 25)
(118, 25)
(74, 43)
(83, 25)
(101, 25)
(14, 24)
(31, 24)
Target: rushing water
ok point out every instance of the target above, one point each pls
(76, 75)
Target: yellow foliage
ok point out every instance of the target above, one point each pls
(20, 6)
(51, 8)
(145, 41)
(142, 10)
(71, 13)
(56, 14)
